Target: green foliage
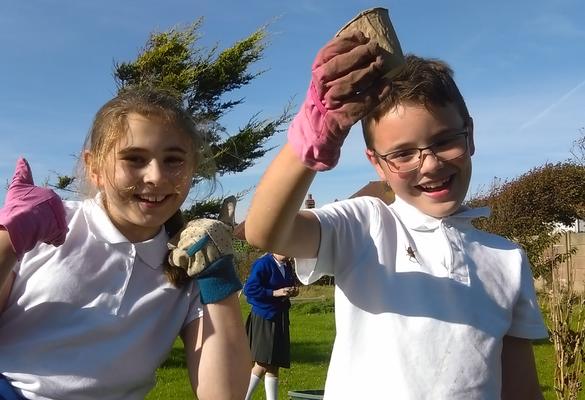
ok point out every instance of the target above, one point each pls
(204, 209)
(245, 255)
(202, 78)
(529, 208)
(205, 80)
(311, 343)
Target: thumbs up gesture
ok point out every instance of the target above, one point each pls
(31, 214)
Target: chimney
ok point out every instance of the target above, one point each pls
(309, 202)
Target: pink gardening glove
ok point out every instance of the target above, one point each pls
(346, 84)
(31, 214)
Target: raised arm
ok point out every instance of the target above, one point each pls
(274, 218)
(218, 356)
(7, 261)
(30, 214)
(346, 84)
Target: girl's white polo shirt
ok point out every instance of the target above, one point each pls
(95, 317)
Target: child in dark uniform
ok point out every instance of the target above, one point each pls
(268, 288)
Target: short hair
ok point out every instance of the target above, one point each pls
(423, 81)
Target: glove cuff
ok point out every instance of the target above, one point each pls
(309, 138)
(218, 280)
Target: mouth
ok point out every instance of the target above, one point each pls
(436, 186)
(151, 199)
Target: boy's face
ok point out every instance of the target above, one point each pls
(437, 188)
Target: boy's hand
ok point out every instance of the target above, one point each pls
(346, 84)
(31, 214)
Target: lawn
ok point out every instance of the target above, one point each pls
(312, 332)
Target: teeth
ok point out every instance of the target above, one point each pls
(435, 185)
(151, 198)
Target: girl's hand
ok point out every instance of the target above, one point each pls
(31, 214)
(285, 292)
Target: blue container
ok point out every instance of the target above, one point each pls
(306, 394)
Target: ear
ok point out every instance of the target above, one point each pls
(90, 167)
(470, 137)
(227, 215)
(375, 161)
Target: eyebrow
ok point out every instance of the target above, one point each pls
(172, 149)
(409, 146)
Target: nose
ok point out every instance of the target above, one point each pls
(428, 161)
(153, 173)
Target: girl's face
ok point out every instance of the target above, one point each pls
(147, 177)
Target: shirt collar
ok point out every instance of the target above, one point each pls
(416, 220)
(100, 224)
(152, 252)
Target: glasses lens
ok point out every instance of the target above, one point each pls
(401, 161)
(451, 147)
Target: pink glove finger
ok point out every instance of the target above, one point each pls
(31, 214)
(22, 173)
(339, 45)
(345, 63)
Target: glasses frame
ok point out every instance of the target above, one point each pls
(465, 132)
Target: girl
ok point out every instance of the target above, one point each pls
(90, 313)
(270, 285)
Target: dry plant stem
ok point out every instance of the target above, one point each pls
(568, 330)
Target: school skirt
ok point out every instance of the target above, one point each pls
(269, 339)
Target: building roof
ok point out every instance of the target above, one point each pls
(377, 189)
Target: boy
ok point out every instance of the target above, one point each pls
(427, 306)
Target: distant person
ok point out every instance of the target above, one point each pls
(270, 285)
(426, 305)
(86, 308)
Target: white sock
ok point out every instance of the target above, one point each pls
(271, 387)
(254, 380)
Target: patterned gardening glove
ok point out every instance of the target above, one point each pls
(204, 249)
(31, 214)
(346, 84)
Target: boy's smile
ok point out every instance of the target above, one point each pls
(437, 188)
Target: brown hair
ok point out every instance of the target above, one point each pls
(422, 81)
(111, 123)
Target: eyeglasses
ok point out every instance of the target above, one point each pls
(446, 149)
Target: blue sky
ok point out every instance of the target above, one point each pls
(519, 64)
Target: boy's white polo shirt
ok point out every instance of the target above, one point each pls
(94, 317)
(422, 327)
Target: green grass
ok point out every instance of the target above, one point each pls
(312, 332)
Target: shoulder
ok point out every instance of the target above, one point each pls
(493, 242)
(72, 207)
(359, 209)
(264, 262)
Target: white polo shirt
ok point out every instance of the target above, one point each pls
(95, 317)
(421, 304)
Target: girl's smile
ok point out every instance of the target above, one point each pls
(147, 178)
